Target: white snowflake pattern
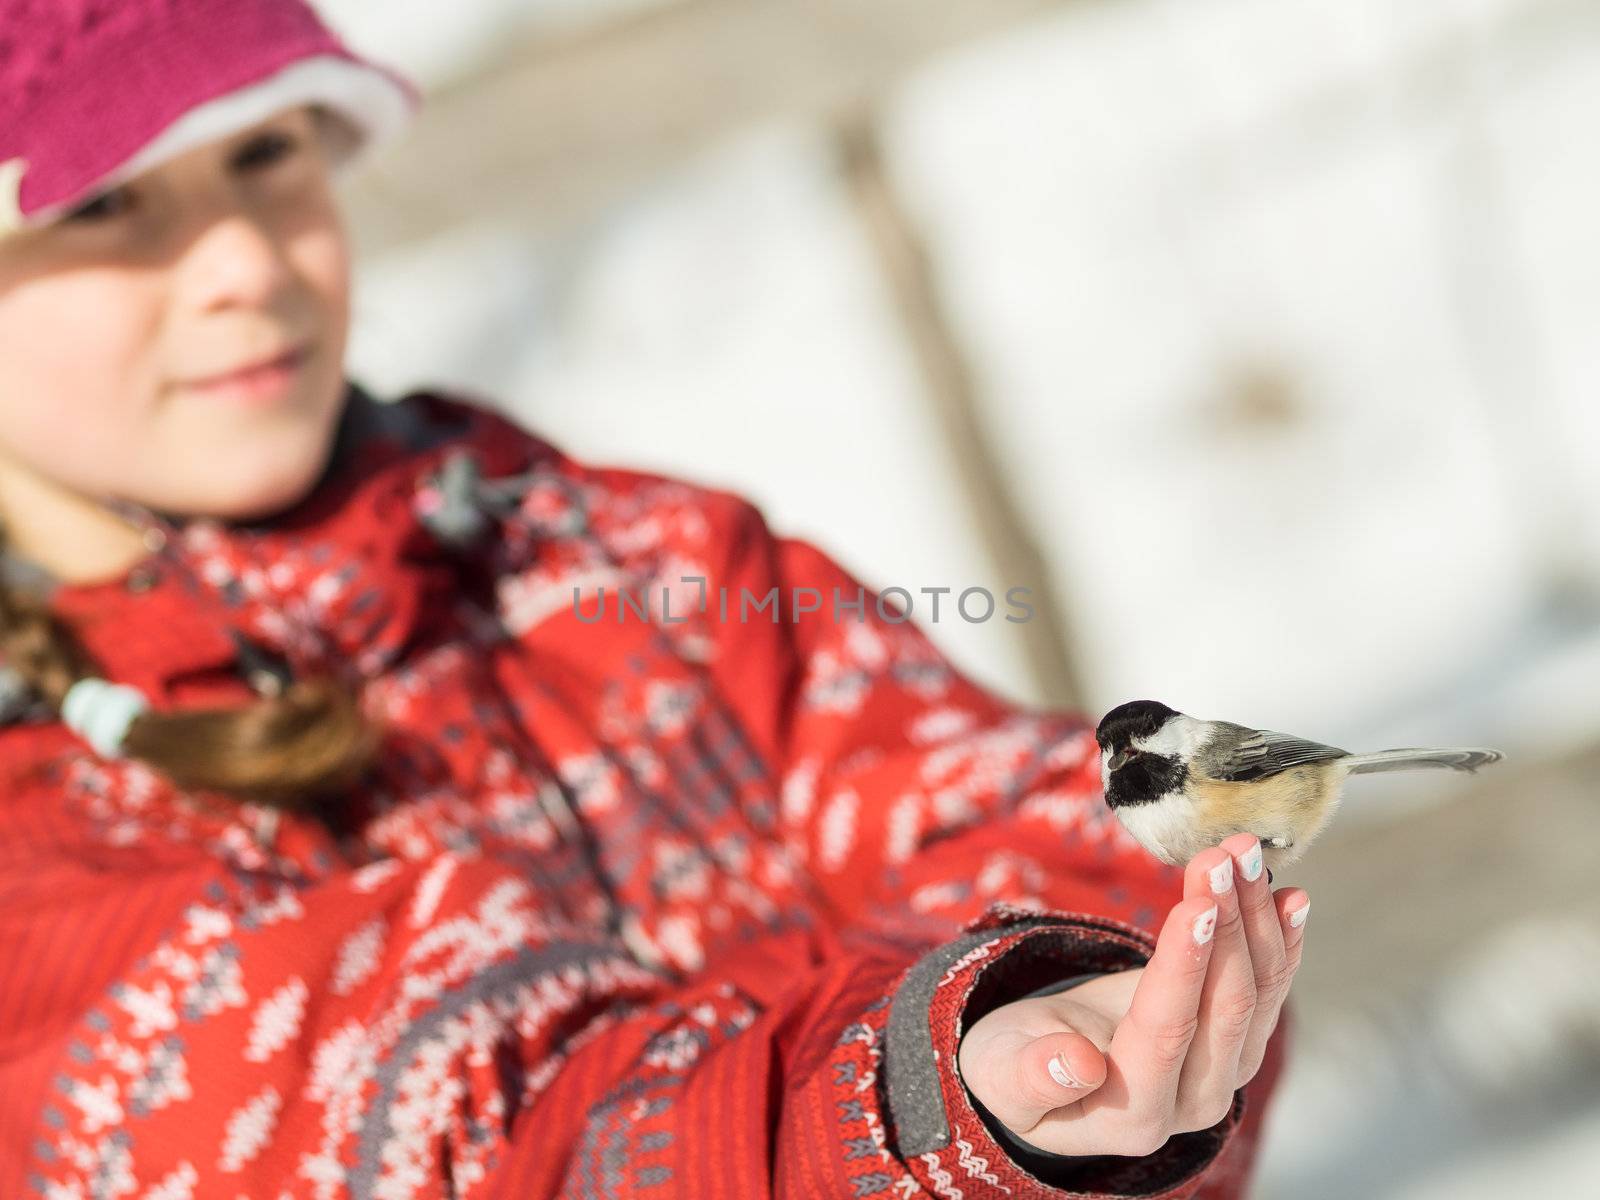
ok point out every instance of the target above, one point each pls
(679, 936)
(902, 827)
(283, 905)
(202, 924)
(529, 598)
(833, 685)
(97, 1102)
(177, 1184)
(939, 724)
(932, 896)
(681, 870)
(799, 791)
(160, 1079)
(432, 888)
(866, 645)
(1003, 868)
(277, 1020)
(249, 1129)
(219, 986)
(335, 1061)
(594, 779)
(675, 1049)
(670, 706)
(370, 877)
(838, 829)
(358, 957)
(152, 1008)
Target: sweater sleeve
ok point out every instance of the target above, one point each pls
(934, 812)
(419, 1031)
(825, 1082)
(915, 796)
(924, 809)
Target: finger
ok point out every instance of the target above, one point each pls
(1149, 1046)
(1227, 1003)
(1291, 906)
(1269, 958)
(1294, 906)
(1055, 1070)
(1262, 927)
(1023, 1079)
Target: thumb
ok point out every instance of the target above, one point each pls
(1053, 1070)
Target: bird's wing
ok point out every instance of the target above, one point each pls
(1238, 753)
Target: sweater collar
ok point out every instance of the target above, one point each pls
(336, 583)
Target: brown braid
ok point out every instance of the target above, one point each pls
(285, 750)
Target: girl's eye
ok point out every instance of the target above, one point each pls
(102, 207)
(266, 150)
(261, 152)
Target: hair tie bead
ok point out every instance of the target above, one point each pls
(100, 712)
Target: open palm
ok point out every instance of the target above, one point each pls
(1118, 1064)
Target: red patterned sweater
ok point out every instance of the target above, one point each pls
(635, 903)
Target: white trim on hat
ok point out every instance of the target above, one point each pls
(375, 104)
(11, 173)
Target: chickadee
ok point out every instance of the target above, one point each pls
(1179, 785)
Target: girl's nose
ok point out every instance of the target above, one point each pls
(235, 262)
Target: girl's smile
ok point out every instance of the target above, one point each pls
(266, 382)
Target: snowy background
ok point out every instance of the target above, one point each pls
(1256, 337)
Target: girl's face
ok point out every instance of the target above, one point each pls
(116, 320)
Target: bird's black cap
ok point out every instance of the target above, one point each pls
(1136, 718)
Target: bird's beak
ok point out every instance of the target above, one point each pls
(1116, 760)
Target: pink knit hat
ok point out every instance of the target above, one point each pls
(93, 92)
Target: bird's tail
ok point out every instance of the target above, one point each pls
(1414, 759)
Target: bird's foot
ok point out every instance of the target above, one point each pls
(1273, 843)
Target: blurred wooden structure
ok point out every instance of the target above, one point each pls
(565, 125)
(562, 126)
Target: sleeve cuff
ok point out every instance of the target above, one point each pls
(1043, 1163)
(942, 1134)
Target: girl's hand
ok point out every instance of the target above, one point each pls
(1119, 1064)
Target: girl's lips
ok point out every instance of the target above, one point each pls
(255, 385)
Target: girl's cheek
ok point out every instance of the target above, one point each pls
(78, 320)
(75, 350)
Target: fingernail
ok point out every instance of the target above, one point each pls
(1298, 917)
(1222, 877)
(1205, 925)
(1250, 863)
(1062, 1073)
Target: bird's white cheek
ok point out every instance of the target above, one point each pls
(1180, 738)
(1105, 775)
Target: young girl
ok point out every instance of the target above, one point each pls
(394, 806)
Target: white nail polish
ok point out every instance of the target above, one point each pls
(1222, 877)
(1062, 1074)
(1250, 864)
(1298, 917)
(1205, 925)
